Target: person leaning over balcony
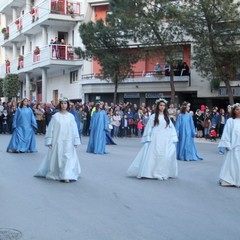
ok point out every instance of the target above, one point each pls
(62, 48)
(157, 157)
(24, 125)
(230, 140)
(185, 70)
(61, 162)
(55, 49)
(157, 69)
(186, 132)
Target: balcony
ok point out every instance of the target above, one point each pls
(60, 12)
(138, 77)
(53, 56)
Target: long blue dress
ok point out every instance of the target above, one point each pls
(98, 128)
(23, 137)
(75, 114)
(186, 149)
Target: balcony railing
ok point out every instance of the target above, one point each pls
(40, 13)
(60, 54)
(65, 7)
(63, 52)
(140, 76)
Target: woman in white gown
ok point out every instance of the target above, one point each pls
(230, 140)
(157, 157)
(61, 162)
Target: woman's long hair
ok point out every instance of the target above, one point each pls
(60, 107)
(21, 103)
(184, 107)
(165, 114)
(233, 113)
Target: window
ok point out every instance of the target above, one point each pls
(74, 76)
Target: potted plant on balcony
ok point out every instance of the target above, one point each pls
(36, 50)
(4, 30)
(32, 11)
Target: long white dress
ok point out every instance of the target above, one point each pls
(230, 171)
(157, 157)
(61, 161)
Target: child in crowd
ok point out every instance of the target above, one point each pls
(213, 134)
(140, 128)
(124, 125)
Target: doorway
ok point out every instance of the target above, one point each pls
(55, 97)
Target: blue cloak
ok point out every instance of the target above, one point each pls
(186, 149)
(98, 128)
(23, 137)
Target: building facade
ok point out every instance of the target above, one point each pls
(49, 68)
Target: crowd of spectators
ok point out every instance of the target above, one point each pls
(125, 119)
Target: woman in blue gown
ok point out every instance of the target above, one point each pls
(24, 126)
(186, 149)
(98, 128)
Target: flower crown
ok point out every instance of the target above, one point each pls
(63, 99)
(235, 105)
(100, 103)
(161, 100)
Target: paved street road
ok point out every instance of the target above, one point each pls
(106, 205)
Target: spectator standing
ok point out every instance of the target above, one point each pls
(5, 121)
(12, 112)
(50, 110)
(124, 125)
(82, 116)
(40, 117)
(116, 123)
(221, 121)
(206, 122)
(197, 119)
(172, 111)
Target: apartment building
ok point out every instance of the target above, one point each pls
(49, 70)
(143, 85)
(37, 42)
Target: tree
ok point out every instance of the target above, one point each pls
(152, 23)
(11, 86)
(1, 87)
(214, 27)
(107, 44)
